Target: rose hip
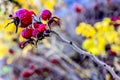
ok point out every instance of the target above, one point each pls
(26, 33)
(46, 15)
(42, 27)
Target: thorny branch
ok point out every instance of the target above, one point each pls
(92, 57)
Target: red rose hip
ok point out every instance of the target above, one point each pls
(25, 17)
(26, 33)
(35, 32)
(42, 27)
(26, 74)
(46, 15)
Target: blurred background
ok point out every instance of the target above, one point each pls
(93, 25)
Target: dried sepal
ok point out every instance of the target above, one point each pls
(16, 21)
(52, 20)
(28, 41)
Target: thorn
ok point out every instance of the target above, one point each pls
(104, 65)
(71, 42)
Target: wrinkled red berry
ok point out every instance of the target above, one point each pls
(54, 61)
(112, 53)
(116, 25)
(46, 69)
(23, 25)
(25, 17)
(35, 32)
(42, 27)
(78, 8)
(26, 33)
(26, 74)
(11, 51)
(37, 71)
(46, 15)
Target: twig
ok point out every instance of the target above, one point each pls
(50, 65)
(92, 57)
(70, 61)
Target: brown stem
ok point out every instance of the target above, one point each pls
(92, 57)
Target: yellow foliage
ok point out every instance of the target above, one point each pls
(48, 4)
(116, 48)
(85, 30)
(107, 20)
(9, 28)
(104, 34)
(94, 51)
(111, 36)
(3, 50)
(88, 43)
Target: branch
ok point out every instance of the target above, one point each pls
(92, 57)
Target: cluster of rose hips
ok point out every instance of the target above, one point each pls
(33, 69)
(33, 29)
